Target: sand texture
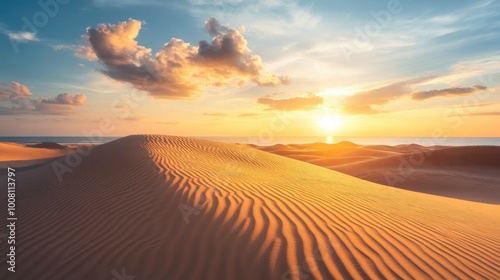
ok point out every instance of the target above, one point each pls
(254, 215)
(469, 173)
(20, 155)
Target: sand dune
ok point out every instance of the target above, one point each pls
(470, 173)
(19, 155)
(256, 216)
(31, 155)
(15, 152)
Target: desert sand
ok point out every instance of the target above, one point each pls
(470, 173)
(22, 155)
(252, 215)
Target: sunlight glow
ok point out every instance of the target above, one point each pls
(337, 92)
(330, 122)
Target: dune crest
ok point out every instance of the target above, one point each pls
(469, 172)
(19, 155)
(164, 207)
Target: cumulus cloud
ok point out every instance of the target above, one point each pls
(65, 99)
(46, 109)
(309, 102)
(455, 91)
(85, 52)
(14, 92)
(363, 102)
(179, 70)
(19, 101)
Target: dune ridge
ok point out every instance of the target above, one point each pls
(21, 155)
(468, 172)
(256, 216)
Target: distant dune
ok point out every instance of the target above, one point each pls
(470, 173)
(253, 215)
(21, 155)
(47, 145)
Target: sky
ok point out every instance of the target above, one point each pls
(395, 68)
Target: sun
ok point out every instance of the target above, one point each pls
(330, 122)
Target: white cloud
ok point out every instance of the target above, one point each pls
(484, 70)
(20, 36)
(59, 47)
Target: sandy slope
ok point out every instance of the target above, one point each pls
(471, 173)
(19, 155)
(259, 216)
(15, 152)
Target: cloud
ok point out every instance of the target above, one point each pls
(60, 47)
(14, 92)
(47, 108)
(485, 114)
(22, 103)
(22, 36)
(362, 102)
(455, 91)
(214, 114)
(291, 104)
(65, 99)
(123, 104)
(485, 69)
(133, 118)
(85, 52)
(179, 70)
(19, 36)
(283, 18)
(244, 115)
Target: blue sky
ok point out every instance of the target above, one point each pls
(332, 49)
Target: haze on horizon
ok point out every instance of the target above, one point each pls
(208, 68)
